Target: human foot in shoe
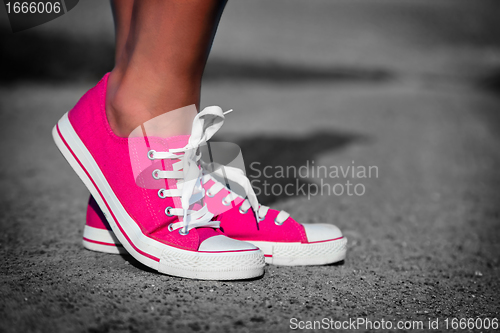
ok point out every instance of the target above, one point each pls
(283, 240)
(157, 214)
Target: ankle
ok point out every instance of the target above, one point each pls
(130, 102)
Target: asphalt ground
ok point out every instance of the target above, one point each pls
(409, 88)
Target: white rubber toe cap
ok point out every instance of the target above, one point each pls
(321, 232)
(221, 243)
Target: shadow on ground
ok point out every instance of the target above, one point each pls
(265, 156)
(491, 82)
(40, 57)
(225, 69)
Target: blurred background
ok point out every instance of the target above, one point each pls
(409, 86)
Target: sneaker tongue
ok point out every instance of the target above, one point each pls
(143, 167)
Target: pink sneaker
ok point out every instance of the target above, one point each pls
(281, 238)
(293, 245)
(157, 214)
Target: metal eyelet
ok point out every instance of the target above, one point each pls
(225, 203)
(260, 219)
(170, 228)
(209, 194)
(278, 223)
(161, 193)
(156, 174)
(182, 232)
(151, 154)
(243, 212)
(167, 211)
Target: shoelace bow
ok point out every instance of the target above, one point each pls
(190, 179)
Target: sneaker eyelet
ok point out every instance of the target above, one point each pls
(151, 154)
(182, 232)
(278, 223)
(161, 193)
(209, 194)
(156, 174)
(167, 211)
(170, 228)
(225, 203)
(242, 212)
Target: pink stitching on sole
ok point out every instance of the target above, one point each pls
(101, 243)
(328, 240)
(226, 251)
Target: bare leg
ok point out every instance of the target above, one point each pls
(161, 50)
(122, 14)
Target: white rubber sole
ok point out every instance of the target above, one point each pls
(283, 254)
(303, 254)
(231, 265)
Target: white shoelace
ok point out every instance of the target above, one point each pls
(188, 174)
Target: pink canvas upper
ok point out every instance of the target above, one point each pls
(266, 230)
(125, 164)
(95, 217)
(244, 227)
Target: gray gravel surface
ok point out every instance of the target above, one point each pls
(411, 87)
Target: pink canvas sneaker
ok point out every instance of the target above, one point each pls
(281, 238)
(294, 245)
(150, 191)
